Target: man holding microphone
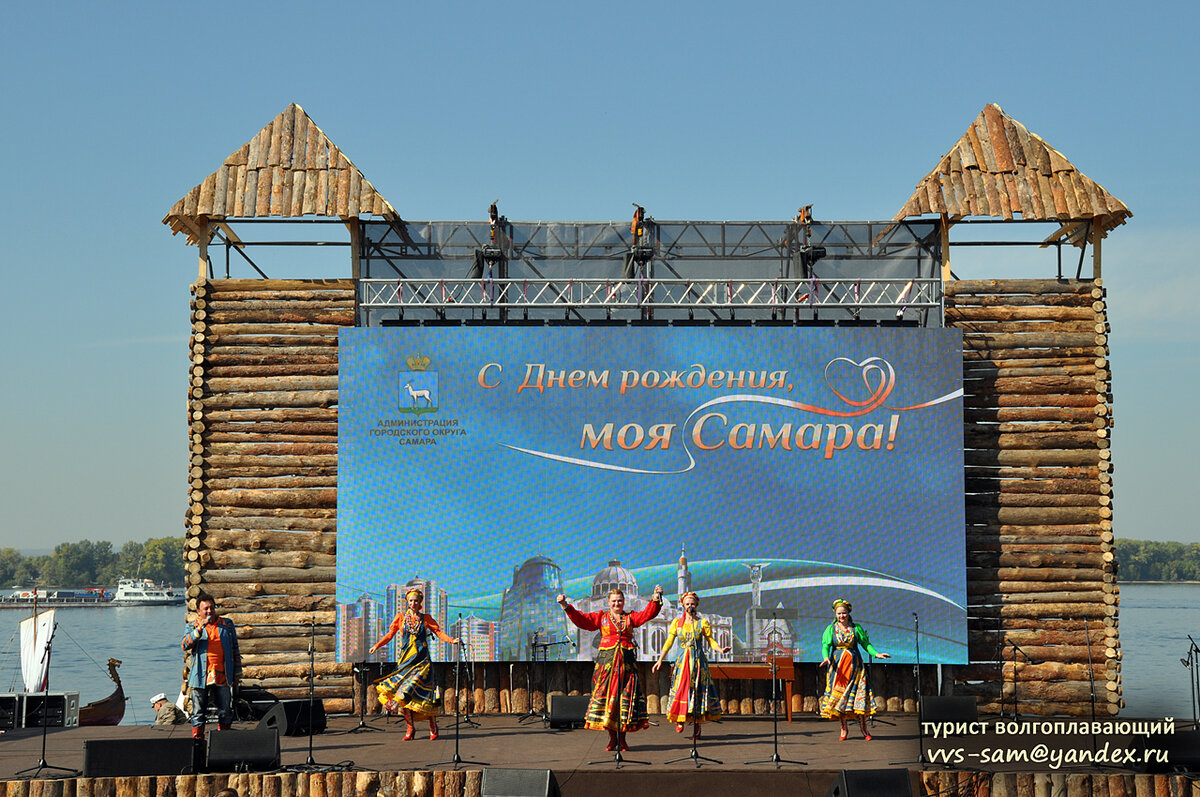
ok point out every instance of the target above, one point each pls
(215, 665)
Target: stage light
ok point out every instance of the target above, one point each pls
(810, 254)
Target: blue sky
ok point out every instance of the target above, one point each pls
(563, 111)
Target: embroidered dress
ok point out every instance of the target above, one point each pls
(411, 686)
(618, 700)
(847, 693)
(691, 670)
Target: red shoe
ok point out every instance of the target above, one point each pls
(197, 733)
(842, 735)
(409, 730)
(866, 737)
(433, 729)
(612, 741)
(679, 727)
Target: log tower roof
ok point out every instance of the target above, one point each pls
(998, 168)
(290, 169)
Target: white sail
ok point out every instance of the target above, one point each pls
(34, 661)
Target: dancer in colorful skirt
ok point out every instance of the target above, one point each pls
(691, 668)
(618, 703)
(410, 689)
(847, 693)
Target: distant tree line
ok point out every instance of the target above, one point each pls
(1144, 560)
(94, 564)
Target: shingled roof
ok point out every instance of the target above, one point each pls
(998, 168)
(289, 169)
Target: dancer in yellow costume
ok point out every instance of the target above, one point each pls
(847, 693)
(691, 668)
(410, 689)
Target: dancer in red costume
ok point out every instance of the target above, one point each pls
(618, 703)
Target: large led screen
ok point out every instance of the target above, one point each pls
(770, 470)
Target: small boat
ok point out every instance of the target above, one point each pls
(144, 592)
(109, 710)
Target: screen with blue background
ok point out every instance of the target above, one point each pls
(791, 465)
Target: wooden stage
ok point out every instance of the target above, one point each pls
(384, 764)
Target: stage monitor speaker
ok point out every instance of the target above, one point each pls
(871, 783)
(1181, 749)
(958, 708)
(128, 758)
(62, 711)
(568, 711)
(518, 783)
(10, 711)
(243, 751)
(292, 717)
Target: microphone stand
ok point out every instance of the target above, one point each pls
(1192, 662)
(530, 714)
(36, 772)
(469, 668)
(360, 669)
(1016, 700)
(775, 757)
(694, 697)
(456, 759)
(310, 765)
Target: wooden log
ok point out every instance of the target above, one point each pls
(1012, 340)
(318, 497)
(267, 558)
(231, 591)
(305, 398)
(327, 368)
(1029, 414)
(224, 288)
(255, 356)
(995, 402)
(1070, 515)
(338, 316)
(1032, 458)
(957, 313)
(272, 384)
(980, 437)
(962, 288)
(256, 448)
(298, 464)
(335, 301)
(1087, 474)
(1042, 610)
(968, 301)
(280, 603)
(1027, 486)
(264, 575)
(321, 428)
(1033, 499)
(275, 524)
(268, 482)
(252, 471)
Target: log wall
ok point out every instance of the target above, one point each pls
(262, 528)
(1041, 574)
(468, 783)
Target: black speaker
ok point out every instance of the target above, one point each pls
(293, 718)
(127, 758)
(1181, 751)
(243, 751)
(871, 783)
(10, 711)
(61, 709)
(568, 711)
(959, 708)
(518, 783)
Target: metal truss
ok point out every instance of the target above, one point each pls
(785, 294)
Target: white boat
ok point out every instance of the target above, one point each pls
(144, 592)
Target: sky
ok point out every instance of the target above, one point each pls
(568, 111)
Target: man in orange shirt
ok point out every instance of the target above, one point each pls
(215, 665)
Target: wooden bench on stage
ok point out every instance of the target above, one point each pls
(785, 671)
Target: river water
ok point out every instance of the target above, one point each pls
(1155, 622)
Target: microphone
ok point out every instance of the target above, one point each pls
(567, 638)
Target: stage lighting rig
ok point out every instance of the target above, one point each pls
(808, 254)
(640, 253)
(493, 258)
